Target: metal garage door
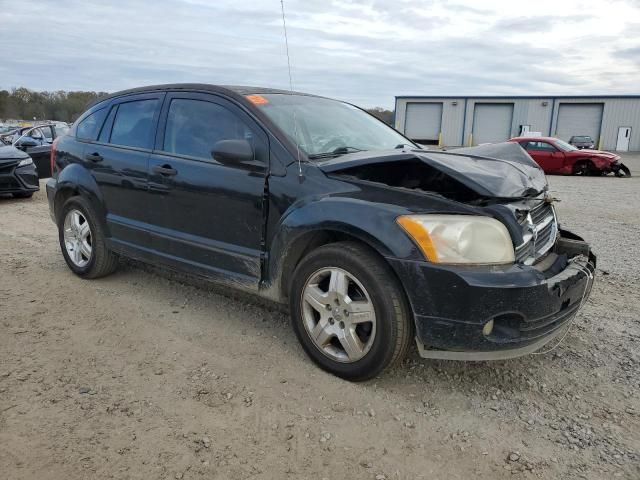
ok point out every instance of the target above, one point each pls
(492, 122)
(423, 121)
(579, 119)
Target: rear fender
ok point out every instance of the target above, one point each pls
(75, 179)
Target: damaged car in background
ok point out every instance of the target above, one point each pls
(374, 243)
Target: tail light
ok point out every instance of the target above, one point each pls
(52, 158)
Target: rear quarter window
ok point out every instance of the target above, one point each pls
(89, 127)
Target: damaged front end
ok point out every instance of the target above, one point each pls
(481, 311)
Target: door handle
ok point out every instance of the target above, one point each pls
(165, 170)
(94, 157)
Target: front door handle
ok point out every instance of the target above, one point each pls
(165, 170)
(94, 157)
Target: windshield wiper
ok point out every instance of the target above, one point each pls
(335, 153)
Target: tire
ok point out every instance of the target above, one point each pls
(98, 260)
(23, 195)
(373, 293)
(584, 168)
(623, 171)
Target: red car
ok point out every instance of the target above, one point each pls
(557, 156)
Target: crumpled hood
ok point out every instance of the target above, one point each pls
(502, 170)
(11, 154)
(596, 153)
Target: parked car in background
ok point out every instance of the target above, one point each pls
(373, 242)
(582, 141)
(36, 141)
(18, 174)
(556, 156)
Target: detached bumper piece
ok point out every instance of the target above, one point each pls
(14, 179)
(491, 313)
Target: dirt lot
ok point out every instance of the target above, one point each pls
(141, 376)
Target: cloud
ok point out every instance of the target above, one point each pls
(362, 51)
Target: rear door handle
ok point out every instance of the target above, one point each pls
(94, 157)
(165, 170)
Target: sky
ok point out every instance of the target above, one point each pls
(365, 52)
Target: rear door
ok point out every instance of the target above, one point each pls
(209, 215)
(119, 160)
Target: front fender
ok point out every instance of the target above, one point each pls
(371, 223)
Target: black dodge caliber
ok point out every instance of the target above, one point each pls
(373, 242)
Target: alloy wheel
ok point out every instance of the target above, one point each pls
(77, 238)
(338, 314)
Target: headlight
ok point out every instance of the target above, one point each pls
(459, 238)
(25, 162)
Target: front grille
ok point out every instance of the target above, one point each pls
(7, 168)
(539, 232)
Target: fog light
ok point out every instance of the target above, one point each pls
(488, 328)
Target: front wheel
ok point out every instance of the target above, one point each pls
(349, 311)
(623, 171)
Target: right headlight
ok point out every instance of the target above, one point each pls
(465, 239)
(25, 162)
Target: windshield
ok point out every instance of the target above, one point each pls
(581, 139)
(325, 127)
(564, 146)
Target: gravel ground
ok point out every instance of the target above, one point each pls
(140, 375)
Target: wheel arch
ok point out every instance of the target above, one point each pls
(306, 242)
(75, 180)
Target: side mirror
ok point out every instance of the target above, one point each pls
(226, 151)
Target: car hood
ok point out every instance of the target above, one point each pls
(596, 153)
(11, 154)
(502, 170)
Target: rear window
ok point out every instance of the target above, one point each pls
(89, 127)
(133, 125)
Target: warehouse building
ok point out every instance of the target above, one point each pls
(612, 121)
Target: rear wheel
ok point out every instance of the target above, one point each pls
(349, 311)
(82, 240)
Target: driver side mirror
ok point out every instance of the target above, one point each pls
(226, 151)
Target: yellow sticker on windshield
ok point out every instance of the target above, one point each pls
(257, 99)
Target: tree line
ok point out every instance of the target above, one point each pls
(24, 104)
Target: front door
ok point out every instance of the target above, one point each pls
(546, 155)
(212, 213)
(624, 136)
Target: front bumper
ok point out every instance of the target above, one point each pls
(529, 305)
(14, 179)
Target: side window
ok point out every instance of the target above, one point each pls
(47, 133)
(194, 127)
(89, 127)
(133, 124)
(105, 133)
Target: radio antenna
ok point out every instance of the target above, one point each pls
(295, 123)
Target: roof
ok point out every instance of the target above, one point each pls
(535, 139)
(515, 97)
(234, 90)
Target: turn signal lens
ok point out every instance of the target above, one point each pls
(460, 238)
